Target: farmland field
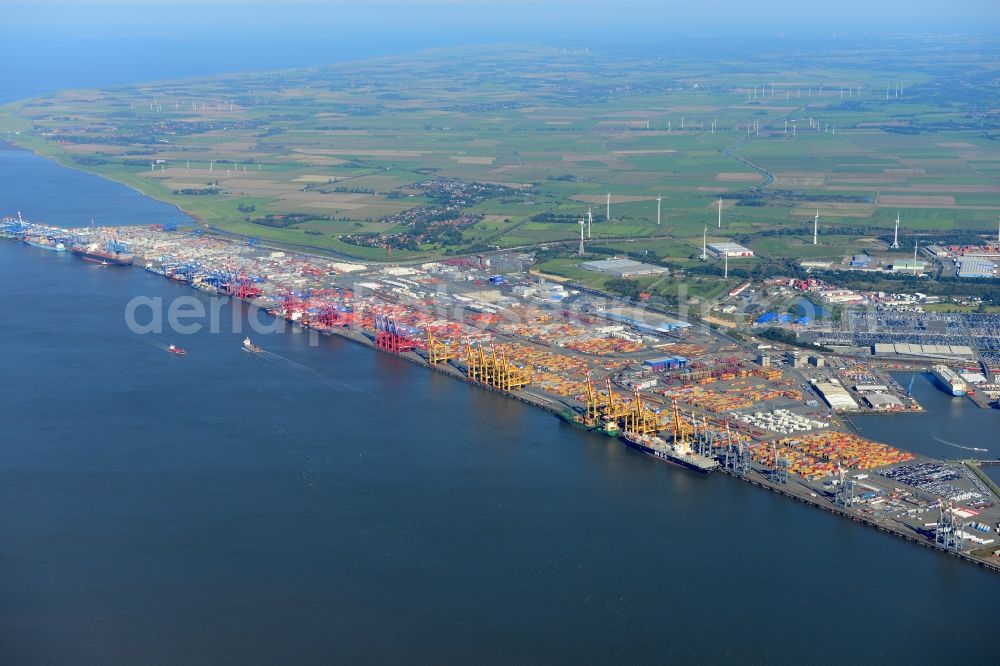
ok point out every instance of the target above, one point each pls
(357, 158)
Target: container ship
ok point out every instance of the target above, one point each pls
(45, 243)
(949, 380)
(679, 454)
(609, 428)
(94, 253)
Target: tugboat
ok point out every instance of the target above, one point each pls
(174, 349)
(250, 346)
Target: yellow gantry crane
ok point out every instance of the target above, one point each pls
(615, 407)
(595, 403)
(473, 365)
(494, 369)
(437, 351)
(641, 419)
(681, 429)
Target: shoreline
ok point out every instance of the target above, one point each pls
(755, 476)
(760, 482)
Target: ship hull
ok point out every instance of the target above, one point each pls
(101, 258)
(46, 246)
(948, 386)
(568, 417)
(664, 456)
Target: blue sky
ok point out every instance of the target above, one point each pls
(478, 20)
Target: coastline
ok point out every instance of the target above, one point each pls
(754, 477)
(55, 157)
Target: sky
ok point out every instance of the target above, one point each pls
(487, 20)
(49, 45)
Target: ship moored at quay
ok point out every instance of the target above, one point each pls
(547, 362)
(677, 454)
(949, 380)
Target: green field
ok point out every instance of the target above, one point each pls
(347, 145)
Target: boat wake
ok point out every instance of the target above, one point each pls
(957, 446)
(304, 372)
(153, 343)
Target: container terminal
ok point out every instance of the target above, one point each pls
(678, 391)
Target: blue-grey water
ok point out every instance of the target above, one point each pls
(330, 504)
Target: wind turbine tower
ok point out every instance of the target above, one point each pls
(915, 244)
(895, 238)
(704, 244)
(720, 212)
(582, 222)
(816, 228)
(659, 198)
(590, 219)
(609, 206)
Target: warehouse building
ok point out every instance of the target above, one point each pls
(883, 402)
(730, 249)
(643, 320)
(666, 363)
(623, 268)
(816, 264)
(958, 352)
(908, 266)
(836, 396)
(975, 267)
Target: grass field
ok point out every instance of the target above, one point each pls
(348, 143)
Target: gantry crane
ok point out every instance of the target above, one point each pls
(495, 369)
(615, 408)
(437, 351)
(681, 429)
(595, 404)
(640, 419)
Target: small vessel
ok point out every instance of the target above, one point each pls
(174, 349)
(250, 346)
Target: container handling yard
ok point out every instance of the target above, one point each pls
(675, 390)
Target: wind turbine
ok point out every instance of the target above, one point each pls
(582, 223)
(658, 200)
(720, 212)
(895, 238)
(704, 244)
(590, 219)
(609, 206)
(816, 228)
